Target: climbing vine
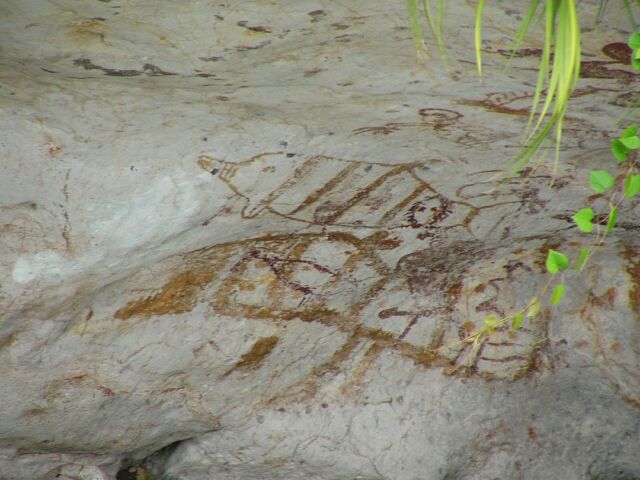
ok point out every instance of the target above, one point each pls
(586, 220)
(557, 77)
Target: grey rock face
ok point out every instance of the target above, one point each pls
(256, 241)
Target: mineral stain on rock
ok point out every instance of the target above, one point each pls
(252, 359)
(436, 270)
(178, 295)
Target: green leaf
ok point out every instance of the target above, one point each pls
(631, 142)
(582, 257)
(491, 321)
(533, 308)
(631, 186)
(619, 150)
(556, 261)
(601, 180)
(518, 320)
(630, 131)
(635, 62)
(583, 219)
(613, 218)
(558, 293)
(634, 41)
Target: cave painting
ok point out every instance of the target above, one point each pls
(422, 309)
(353, 269)
(359, 195)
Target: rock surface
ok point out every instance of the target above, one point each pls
(249, 241)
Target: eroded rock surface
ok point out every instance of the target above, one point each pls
(255, 241)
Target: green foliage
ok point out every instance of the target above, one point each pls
(562, 39)
(434, 23)
(478, 35)
(582, 257)
(416, 30)
(534, 307)
(556, 262)
(491, 321)
(558, 293)
(612, 219)
(631, 185)
(518, 320)
(558, 71)
(557, 77)
(583, 219)
(625, 143)
(601, 180)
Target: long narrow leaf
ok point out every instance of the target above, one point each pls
(562, 30)
(478, 36)
(435, 25)
(414, 20)
(543, 70)
(524, 28)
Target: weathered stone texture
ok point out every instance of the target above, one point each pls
(252, 240)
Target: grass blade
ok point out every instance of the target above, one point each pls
(478, 33)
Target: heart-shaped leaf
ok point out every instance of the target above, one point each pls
(634, 41)
(630, 131)
(631, 142)
(583, 218)
(601, 180)
(556, 261)
(619, 150)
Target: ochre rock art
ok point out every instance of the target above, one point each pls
(422, 309)
(326, 191)
(422, 305)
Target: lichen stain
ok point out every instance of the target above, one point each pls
(255, 356)
(178, 295)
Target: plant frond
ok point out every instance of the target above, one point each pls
(478, 35)
(562, 39)
(524, 28)
(435, 25)
(433, 22)
(558, 71)
(414, 21)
